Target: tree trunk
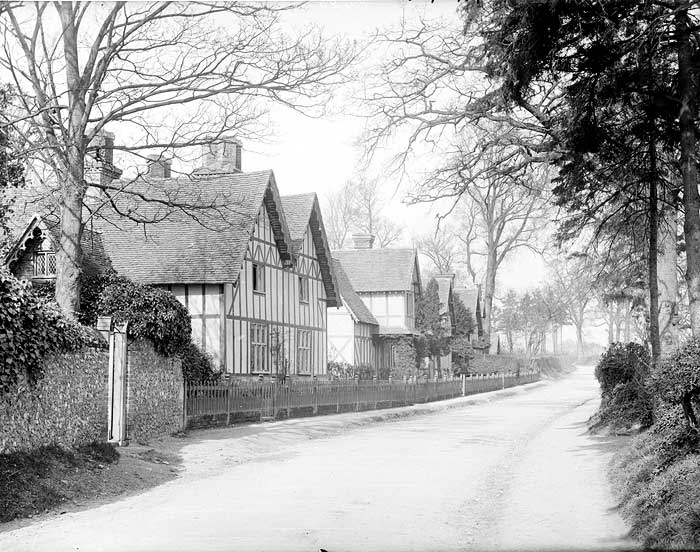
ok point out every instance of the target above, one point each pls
(610, 322)
(691, 198)
(628, 320)
(653, 255)
(69, 258)
(489, 290)
(579, 340)
(668, 283)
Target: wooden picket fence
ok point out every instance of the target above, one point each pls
(247, 399)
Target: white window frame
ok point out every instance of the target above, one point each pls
(304, 341)
(258, 349)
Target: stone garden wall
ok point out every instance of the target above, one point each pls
(68, 404)
(155, 393)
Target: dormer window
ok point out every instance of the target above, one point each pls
(44, 264)
(258, 278)
(303, 289)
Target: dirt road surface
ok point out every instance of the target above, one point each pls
(510, 470)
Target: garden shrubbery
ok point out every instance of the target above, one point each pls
(347, 371)
(152, 313)
(30, 328)
(658, 477)
(622, 372)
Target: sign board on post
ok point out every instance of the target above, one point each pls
(116, 430)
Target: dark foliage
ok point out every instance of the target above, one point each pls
(30, 328)
(676, 381)
(622, 372)
(196, 364)
(152, 313)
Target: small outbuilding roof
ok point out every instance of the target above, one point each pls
(379, 269)
(352, 301)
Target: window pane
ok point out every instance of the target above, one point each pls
(52, 263)
(40, 264)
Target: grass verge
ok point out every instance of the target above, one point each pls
(56, 479)
(657, 479)
(37, 481)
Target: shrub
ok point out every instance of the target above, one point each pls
(197, 365)
(676, 380)
(622, 372)
(621, 363)
(30, 328)
(347, 371)
(152, 313)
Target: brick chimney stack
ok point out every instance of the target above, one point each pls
(362, 241)
(221, 157)
(158, 167)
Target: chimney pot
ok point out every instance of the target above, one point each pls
(362, 241)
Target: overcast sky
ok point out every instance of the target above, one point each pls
(317, 155)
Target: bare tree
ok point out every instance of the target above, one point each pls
(171, 76)
(574, 283)
(342, 214)
(504, 206)
(440, 248)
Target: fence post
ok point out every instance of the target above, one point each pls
(503, 380)
(463, 377)
(184, 405)
(228, 403)
(288, 396)
(337, 397)
(357, 394)
(315, 394)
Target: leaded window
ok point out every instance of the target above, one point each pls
(44, 264)
(258, 348)
(304, 351)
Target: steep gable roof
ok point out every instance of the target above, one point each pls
(445, 290)
(469, 297)
(203, 242)
(379, 269)
(354, 304)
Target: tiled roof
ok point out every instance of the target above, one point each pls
(395, 330)
(297, 209)
(205, 242)
(303, 211)
(352, 301)
(468, 297)
(378, 269)
(444, 286)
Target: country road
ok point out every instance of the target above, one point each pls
(511, 470)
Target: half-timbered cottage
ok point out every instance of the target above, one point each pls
(257, 291)
(352, 328)
(388, 282)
